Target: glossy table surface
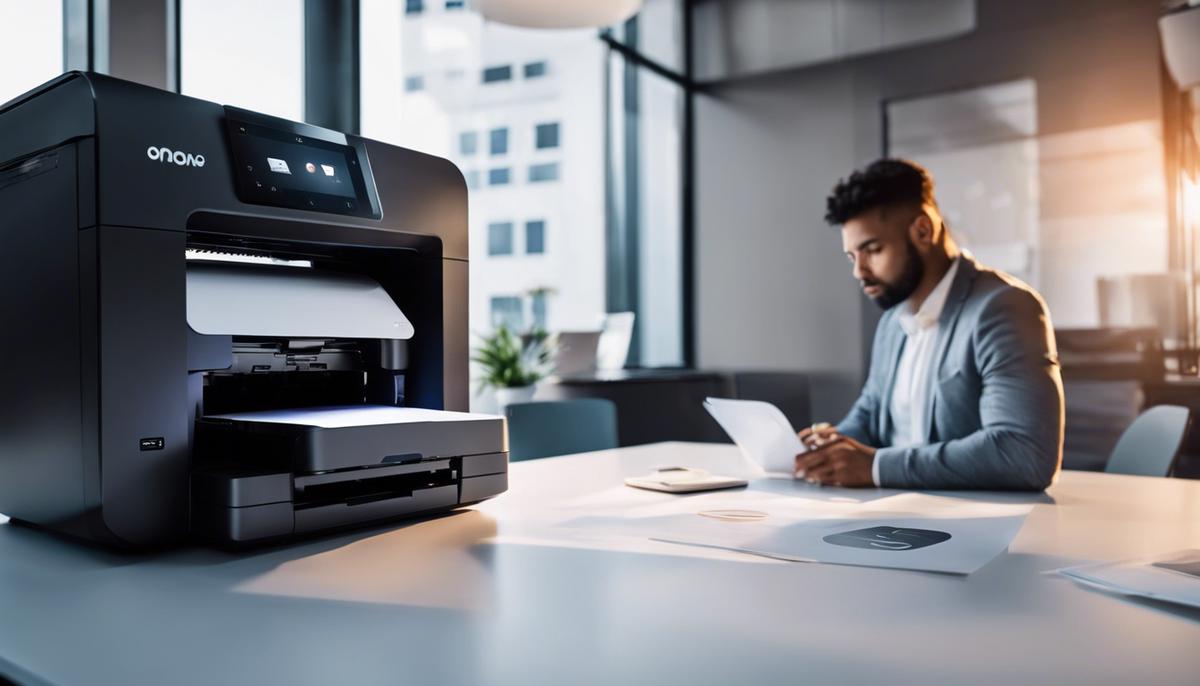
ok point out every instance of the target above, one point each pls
(491, 596)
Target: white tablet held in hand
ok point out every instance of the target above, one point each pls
(683, 480)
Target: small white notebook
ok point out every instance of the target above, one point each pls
(761, 432)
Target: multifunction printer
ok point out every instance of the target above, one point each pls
(227, 325)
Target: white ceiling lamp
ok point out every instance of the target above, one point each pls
(557, 14)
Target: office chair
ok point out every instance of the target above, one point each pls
(563, 427)
(1150, 445)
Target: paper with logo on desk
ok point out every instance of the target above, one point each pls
(906, 531)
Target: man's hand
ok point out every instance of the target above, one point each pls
(835, 461)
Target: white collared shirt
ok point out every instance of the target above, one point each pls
(909, 405)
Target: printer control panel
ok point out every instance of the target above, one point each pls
(300, 167)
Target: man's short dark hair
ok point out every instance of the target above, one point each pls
(884, 183)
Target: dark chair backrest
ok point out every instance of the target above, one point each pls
(1150, 445)
(564, 427)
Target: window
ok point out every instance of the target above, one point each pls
(535, 70)
(31, 45)
(537, 303)
(574, 281)
(494, 74)
(543, 172)
(498, 141)
(472, 178)
(646, 109)
(1024, 200)
(500, 238)
(413, 6)
(535, 237)
(455, 4)
(215, 54)
(498, 176)
(546, 135)
(415, 83)
(468, 143)
(506, 311)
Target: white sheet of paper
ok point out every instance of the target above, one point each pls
(906, 531)
(762, 434)
(1141, 578)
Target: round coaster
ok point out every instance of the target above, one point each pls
(734, 515)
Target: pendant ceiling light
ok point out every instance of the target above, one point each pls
(557, 14)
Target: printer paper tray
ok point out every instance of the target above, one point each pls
(334, 438)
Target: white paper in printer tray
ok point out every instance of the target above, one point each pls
(354, 415)
(240, 300)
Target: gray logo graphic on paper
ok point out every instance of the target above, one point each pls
(888, 538)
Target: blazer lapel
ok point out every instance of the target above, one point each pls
(894, 348)
(968, 269)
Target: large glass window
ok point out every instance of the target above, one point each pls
(547, 92)
(31, 45)
(572, 91)
(646, 208)
(246, 53)
(1056, 210)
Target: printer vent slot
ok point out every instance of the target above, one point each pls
(366, 489)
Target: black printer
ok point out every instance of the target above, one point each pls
(224, 324)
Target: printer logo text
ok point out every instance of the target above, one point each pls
(177, 157)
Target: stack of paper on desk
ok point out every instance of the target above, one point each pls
(906, 531)
(1174, 578)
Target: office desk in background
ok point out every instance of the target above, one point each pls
(477, 598)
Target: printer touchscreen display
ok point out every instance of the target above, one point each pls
(284, 169)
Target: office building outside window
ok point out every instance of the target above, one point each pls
(31, 45)
(535, 237)
(566, 87)
(547, 171)
(546, 136)
(500, 238)
(498, 141)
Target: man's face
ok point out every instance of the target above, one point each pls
(883, 256)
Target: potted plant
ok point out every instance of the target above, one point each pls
(512, 364)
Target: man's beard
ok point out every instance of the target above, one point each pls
(892, 294)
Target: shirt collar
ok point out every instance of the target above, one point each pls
(931, 309)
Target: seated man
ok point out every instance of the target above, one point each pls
(964, 389)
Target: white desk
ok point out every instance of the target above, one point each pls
(440, 601)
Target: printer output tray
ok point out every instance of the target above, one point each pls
(269, 475)
(322, 439)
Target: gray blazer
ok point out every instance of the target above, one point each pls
(997, 419)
